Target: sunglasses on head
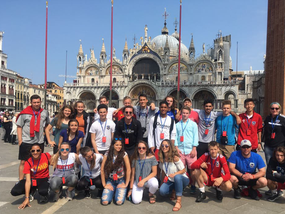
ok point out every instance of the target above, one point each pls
(33, 151)
(118, 138)
(164, 146)
(245, 147)
(67, 149)
(141, 148)
(274, 108)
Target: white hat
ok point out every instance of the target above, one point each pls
(245, 143)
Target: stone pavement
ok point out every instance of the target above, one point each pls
(9, 204)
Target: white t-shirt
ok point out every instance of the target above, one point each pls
(101, 129)
(171, 168)
(163, 126)
(96, 171)
(65, 168)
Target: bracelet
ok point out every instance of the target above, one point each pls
(27, 197)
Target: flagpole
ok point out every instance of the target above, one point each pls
(45, 103)
(178, 81)
(111, 66)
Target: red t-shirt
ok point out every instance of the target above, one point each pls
(43, 168)
(194, 116)
(254, 125)
(219, 164)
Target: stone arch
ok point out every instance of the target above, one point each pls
(146, 68)
(230, 95)
(89, 100)
(201, 95)
(182, 94)
(115, 97)
(143, 89)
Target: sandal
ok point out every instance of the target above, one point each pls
(177, 206)
(152, 199)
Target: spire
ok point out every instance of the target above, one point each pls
(126, 46)
(192, 42)
(175, 34)
(92, 54)
(103, 50)
(164, 29)
(80, 52)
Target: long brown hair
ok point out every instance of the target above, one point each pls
(60, 115)
(56, 156)
(109, 165)
(174, 104)
(171, 153)
(84, 151)
(68, 129)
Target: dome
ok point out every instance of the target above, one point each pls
(175, 35)
(172, 41)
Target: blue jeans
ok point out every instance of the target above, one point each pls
(120, 193)
(180, 182)
(268, 153)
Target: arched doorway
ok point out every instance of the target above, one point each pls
(115, 98)
(231, 96)
(147, 69)
(182, 96)
(89, 100)
(199, 98)
(143, 89)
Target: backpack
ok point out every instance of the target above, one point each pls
(155, 123)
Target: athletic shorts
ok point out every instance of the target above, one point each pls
(281, 185)
(24, 150)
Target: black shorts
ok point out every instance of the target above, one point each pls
(251, 182)
(24, 150)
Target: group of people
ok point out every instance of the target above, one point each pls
(8, 122)
(123, 151)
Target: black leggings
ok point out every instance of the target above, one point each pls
(7, 137)
(42, 186)
(84, 183)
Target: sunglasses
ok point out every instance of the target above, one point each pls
(118, 138)
(274, 108)
(33, 151)
(90, 156)
(245, 147)
(141, 148)
(164, 146)
(128, 112)
(64, 149)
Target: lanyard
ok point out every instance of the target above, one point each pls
(272, 125)
(141, 167)
(88, 167)
(35, 171)
(162, 126)
(207, 119)
(166, 167)
(213, 165)
(249, 121)
(184, 127)
(64, 168)
(103, 130)
(127, 127)
(226, 124)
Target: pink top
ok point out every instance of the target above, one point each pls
(194, 116)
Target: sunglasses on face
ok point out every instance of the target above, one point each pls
(164, 146)
(245, 147)
(274, 108)
(33, 151)
(128, 112)
(90, 156)
(141, 148)
(64, 149)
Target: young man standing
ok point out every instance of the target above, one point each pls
(212, 169)
(143, 113)
(104, 100)
(186, 141)
(161, 127)
(243, 165)
(206, 126)
(31, 123)
(226, 125)
(102, 131)
(250, 127)
(129, 129)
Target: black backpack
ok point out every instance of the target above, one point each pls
(155, 123)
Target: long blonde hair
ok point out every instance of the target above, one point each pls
(171, 154)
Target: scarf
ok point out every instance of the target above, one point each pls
(33, 127)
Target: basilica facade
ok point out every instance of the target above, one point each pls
(151, 67)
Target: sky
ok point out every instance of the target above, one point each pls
(70, 21)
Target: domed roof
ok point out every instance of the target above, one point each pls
(175, 35)
(172, 42)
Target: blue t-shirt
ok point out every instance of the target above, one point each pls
(229, 125)
(72, 142)
(248, 165)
